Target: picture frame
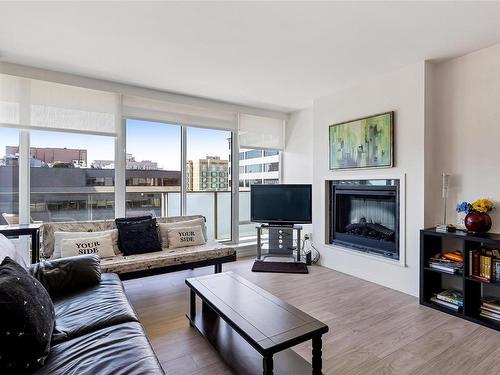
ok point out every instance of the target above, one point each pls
(363, 143)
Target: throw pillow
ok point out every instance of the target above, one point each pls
(185, 236)
(164, 227)
(138, 236)
(27, 320)
(8, 249)
(101, 246)
(60, 236)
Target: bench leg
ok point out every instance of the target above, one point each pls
(218, 268)
(267, 365)
(317, 362)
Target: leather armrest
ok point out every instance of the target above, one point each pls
(67, 275)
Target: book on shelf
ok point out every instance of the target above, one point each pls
(451, 296)
(445, 304)
(490, 309)
(491, 304)
(450, 262)
(484, 265)
(484, 315)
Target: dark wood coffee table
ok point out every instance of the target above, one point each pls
(252, 329)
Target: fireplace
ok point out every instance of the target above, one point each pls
(364, 216)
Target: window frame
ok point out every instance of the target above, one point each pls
(120, 172)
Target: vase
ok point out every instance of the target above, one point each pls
(477, 223)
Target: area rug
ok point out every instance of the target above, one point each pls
(279, 267)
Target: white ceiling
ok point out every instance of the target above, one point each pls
(275, 55)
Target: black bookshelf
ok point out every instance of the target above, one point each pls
(432, 280)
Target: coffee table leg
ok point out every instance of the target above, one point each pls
(267, 365)
(192, 304)
(316, 355)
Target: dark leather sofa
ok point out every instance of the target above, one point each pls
(96, 330)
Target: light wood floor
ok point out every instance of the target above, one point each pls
(373, 330)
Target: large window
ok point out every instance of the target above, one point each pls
(208, 182)
(153, 169)
(9, 176)
(71, 176)
(256, 167)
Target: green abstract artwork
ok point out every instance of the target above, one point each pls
(362, 143)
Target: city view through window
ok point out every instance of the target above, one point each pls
(72, 175)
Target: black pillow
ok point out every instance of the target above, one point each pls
(27, 320)
(138, 235)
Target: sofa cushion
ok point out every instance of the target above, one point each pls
(60, 236)
(164, 228)
(27, 319)
(67, 275)
(166, 257)
(138, 235)
(102, 246)
(8, 249)
(91, 309)
(185, 237)
(118, 349)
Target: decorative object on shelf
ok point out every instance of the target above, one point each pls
(476, 219)
(363, 143)
(445, 185)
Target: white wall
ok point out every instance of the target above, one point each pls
(402, 92)
(465, 133)
(298, 155)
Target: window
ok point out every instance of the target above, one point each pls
(71, 176)
(9, 176)
(271, 167)
(208, 150)
(153, 168)
(252, 154)
(254, 171)
(271, 152)
(254, 168)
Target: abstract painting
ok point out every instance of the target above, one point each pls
(362, 143)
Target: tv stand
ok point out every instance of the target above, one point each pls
(283, 240)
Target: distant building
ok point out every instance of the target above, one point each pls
(50, 155)
(258, 167)
(143, 165)
(209, 174)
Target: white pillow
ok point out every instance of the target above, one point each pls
(185, 236)
(164, 227)
(59, 236)
(102, 246)
(8, 249)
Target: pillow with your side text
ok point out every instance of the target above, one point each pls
(101, 246)
(185, 236)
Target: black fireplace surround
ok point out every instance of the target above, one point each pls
(364, 216)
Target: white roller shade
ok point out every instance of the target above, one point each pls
(28, 103)
(260, 132)
(175, 113)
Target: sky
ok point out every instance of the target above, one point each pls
(145, 141)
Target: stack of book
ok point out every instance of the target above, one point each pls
(450, 298)
(451, 262)
(484, 265)
(490, 309)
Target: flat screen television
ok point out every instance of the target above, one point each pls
(283, 204)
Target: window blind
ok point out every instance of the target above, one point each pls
(260, 132)
(29, 103)
(175, 113)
